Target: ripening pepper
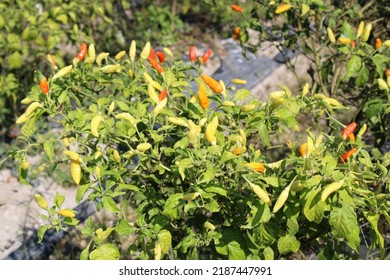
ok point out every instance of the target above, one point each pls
(260, 193)
(203, 99)
(347, 155)
(143, 147)
(91, 54)
(282, 8)
(44, 86)
(206, 55)
(53, 63)
(162, 94)
(331, 36)
(119, 55)
(281, 199)
(360, 29)
(378, 43)
(256, 166)
(63, 71)
(83, 51)
(95, 125)
(236, 33)
(348, 130)
(75, 170)
(213, 84)
(100, 57)
(159, 107)
(211, 128)
(331, 188)
(344, 41)
(366, 32)
(41, 201)
(239, 150)
(132, 50)
(192, 54)
(145, 51)
(67, 213)
(236, 8)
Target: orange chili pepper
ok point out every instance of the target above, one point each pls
(236, 8)
(44, 85)
(236, 32)
(203, 99)
(213, 84)
(378, 43)
(83, 51)
(345, 156)
(162, 94)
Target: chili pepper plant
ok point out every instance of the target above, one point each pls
(194, 158)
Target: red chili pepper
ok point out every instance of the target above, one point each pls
(161, 56)
(206, 55)
(44, 85)
(236, 8)
(83, 51)
(152, 55)
(156, 65)
(345, 156)
(192, 54)
(162, 94)
(348, 130)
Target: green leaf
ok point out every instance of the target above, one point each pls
(58, 200)
(347, 31)
(292, 225)
(260, 213)
(212, 205)
(165, 239)
(362, 77)
(217, 190)
(268, 253)
(273, 181)
(41, 232)
(286, 116)
(49, 150)
(354, 66)
(208, 175)
(172, 206)
(314, 207)
(84, 254)
(374, 107)
(288, 244)
(343, 222)
(123, 227)
(329, 164)
(102, 235)
(109, 204)
(183, 165)
(231, 244)
(29, 127)
(304, 9)
(106, 251)
(127, 187)
(373, 219)
(15, 60)
(241, 94)
(264, 134)
(226, 156)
